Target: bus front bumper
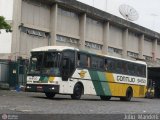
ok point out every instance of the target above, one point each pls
(42, 88)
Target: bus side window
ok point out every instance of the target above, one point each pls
(88, 62)
(131, 68)
(144, 71)
(105, 64)
(78, 59)
(124, 67)
(83, 60)
(118, 66)
(110, 65)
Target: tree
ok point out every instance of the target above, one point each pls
(4, 24)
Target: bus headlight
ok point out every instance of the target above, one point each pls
(52, 88)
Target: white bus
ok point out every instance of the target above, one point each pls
(70, 71)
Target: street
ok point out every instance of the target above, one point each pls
(12, 102)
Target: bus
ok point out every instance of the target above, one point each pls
(71, 71)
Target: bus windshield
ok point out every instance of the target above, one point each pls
(47, 63)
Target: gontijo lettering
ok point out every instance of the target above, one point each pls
(125, 79)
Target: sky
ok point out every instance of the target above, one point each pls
(148, 10)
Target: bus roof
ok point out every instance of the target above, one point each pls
(135, 61)
(51, 48)
(61, 48)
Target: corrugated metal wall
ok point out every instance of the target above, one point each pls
(4, 72)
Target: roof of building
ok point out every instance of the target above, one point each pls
(104, 16)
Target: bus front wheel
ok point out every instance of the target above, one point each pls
(50, 95)
(129, 95)
(77, 92)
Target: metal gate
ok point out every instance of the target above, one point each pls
(17, 73)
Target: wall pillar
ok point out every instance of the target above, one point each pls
(53, 24)
(82, 31)
(124, 43)
(141, 46)
(15, 44)
(105, 38)
(154, 50)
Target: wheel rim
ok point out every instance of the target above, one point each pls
(129, 95)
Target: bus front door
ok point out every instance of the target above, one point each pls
(65, 69)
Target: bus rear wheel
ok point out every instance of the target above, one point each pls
(129, 95)
(50, 95)
(77, 92)
(105, 97)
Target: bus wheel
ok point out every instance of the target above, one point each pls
(49, 95)
(105, 97)
(129, 94)
(77, 92)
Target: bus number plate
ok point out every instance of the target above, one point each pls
(33, 78)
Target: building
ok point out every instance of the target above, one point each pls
(39, 23)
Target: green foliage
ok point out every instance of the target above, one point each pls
(4, 24)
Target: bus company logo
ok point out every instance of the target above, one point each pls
(82, 74)
(4, 116)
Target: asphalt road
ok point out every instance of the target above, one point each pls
(12, 102)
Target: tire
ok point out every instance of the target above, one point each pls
(129, 95)
(50, 95)
(77, 92)
(105, 98)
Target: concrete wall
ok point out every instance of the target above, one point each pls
(29, 42)
(94, 31)
(158, 51)
(68, 23)
(35, 15)
(116, 35)
(62, 25)
(148, 47)
(29, 20)
(133, 42)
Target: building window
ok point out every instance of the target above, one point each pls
(34, 32)
(67, 13)
(158, 60)
(147, 58)
(114, 50)
(132, 54)
(83, 60)
(65, 39)
(147, 39)
(97, 62)
(93, 45)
